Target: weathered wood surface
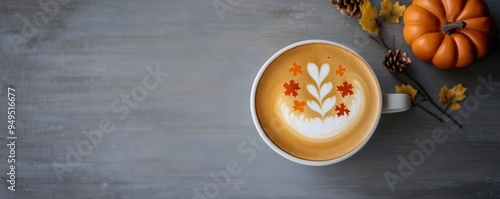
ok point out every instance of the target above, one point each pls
(70, 71)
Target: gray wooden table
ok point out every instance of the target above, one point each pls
(96, 120)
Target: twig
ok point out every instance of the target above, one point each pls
(418, 103)
(394, 43)
(427, 96)
(428, 111)
(379, 40)
(383, 41)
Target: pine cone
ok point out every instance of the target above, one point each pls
(396, 62)
(348, 7)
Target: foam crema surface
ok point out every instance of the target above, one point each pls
(317, 101)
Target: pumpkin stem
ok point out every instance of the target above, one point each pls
(449, 27)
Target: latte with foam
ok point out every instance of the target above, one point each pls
(317, 101)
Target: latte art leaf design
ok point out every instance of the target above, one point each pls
(320, 125)
(320, 91)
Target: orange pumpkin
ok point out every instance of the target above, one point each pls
(448, 33)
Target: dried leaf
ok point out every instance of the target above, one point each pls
(385, 9)
(454, 106)
(368, 17)
(407, 89)
(459, 92)
(391, 12)
(397, 11)
(451, 97)
(443, 94)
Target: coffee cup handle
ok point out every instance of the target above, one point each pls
(395, 102)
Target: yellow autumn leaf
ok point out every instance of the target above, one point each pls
(391, 12)
(385, 9)
(368, 17)
(454, 106)
(407, 89)
(458, 92)
(443, 94)
(397, 11)
(452, 96)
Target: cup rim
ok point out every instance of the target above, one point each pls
(273, 146)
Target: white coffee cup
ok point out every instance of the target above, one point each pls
(390, 103)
